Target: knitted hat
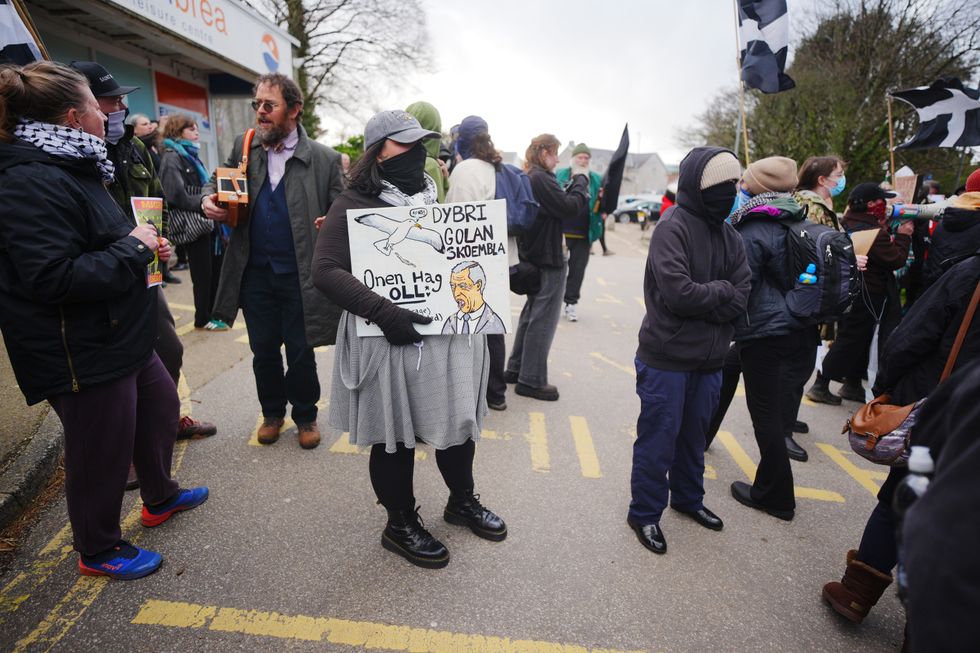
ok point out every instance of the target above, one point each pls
(774, 174)
(721, 167)
(582, 148)
(469, 129)
(973, 182)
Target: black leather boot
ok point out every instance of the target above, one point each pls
(820, 392)
(465, 509)
(405, 535)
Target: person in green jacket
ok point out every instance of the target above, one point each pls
(580, 231)
(428, 117)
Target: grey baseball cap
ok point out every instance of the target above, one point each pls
(399, 126)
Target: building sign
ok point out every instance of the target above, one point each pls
(445, 261)
(223, 27)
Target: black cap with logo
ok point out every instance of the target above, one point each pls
(101, 81)
(868, 192)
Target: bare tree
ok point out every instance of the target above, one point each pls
(858, 52)
(350, 50)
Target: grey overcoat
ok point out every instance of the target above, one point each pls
(313, 182)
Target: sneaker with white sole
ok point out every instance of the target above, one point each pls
(570, 313)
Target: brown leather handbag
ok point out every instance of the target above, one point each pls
(880, 431)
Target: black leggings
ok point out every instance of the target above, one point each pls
(392, 473)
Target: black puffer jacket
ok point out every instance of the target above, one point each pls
(764, 237)
(542, 245)
(696, 282)
(74, 307)
(957, 235)
(916, 351)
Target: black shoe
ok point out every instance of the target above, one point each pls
(820, 392)
(742, 493)
(544, 393)
(497, 405)
(704, 517)
(405, 535)
(852, 392)
(800, 427)
(650, 536)
(795, 451)
(510, 377)
(171, 278)
(466, 510)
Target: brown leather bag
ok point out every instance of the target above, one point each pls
(880, 431)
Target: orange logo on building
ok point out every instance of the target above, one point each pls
(208, 12)
(271, 56)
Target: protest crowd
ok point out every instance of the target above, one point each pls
(749, 275)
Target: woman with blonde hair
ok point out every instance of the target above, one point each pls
(77, 317)
(542, 247)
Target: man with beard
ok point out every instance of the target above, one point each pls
(292, 180)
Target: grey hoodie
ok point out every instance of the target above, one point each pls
(696, 283)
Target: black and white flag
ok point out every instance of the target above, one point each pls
(949, 114)
(16, 43)
(763, 31)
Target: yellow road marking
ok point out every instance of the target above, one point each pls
(242, 339)
(584, 447)
(59, 547)
(606, 298)
(710, 473)
(494, 435)
(537, 437)
(619, 366)
(863, 477)
(742, 460)
(185, 329)
(643, 304)
(181, 307)
(343, 445)
(740, 390)
(601, 282)
(361, 634)
(806, 401)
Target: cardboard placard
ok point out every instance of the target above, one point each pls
(863, 240)
(445, 261)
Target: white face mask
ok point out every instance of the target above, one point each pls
(116, 126)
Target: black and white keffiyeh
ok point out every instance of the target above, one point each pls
(391, 194)
(66, 143)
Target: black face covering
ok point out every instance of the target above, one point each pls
(406, 170)
(718, 200)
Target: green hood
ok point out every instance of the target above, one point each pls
(428, 117)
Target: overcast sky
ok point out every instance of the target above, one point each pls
(578, 69)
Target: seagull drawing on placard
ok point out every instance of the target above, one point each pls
(399, 230)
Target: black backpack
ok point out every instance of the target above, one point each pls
(832, 253)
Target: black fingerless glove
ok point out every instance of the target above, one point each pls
(398, 325)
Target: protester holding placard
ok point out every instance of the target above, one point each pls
(78, 320)
(385, 393)
(542, 247)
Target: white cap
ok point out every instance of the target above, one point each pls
(920, 461)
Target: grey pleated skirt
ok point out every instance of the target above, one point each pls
(386, 394)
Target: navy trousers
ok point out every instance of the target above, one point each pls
(273, 308)
(675, 411)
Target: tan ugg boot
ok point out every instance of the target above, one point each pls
(858, 591)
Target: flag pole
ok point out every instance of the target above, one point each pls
(29, 24)
(891, 142)
(741, 92)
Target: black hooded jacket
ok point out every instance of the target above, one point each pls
(542, 244)
(957, 235)
(74, 307)
(696, 282)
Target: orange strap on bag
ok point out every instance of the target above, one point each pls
(961, 334)
(235, 209)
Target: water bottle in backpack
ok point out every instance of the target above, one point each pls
(907, 493)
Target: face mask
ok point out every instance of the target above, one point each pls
(877, 209)
(839, 188)
(741, 199)
(115, 126)
(406, 170)
(717, 199)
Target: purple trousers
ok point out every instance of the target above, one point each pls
(133, 418)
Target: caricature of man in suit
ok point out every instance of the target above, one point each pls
(468, 281)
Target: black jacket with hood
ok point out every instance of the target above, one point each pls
(957, 235)
(764, 235)
(74, 307)
(696, 282)
(542, 245)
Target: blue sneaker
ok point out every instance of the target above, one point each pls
(122, 562)
(183, 500)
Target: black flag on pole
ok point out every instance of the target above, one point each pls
(17, 45)
(763, 30)
(612, 181)
(949, 114)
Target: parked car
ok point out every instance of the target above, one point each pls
(640, 211)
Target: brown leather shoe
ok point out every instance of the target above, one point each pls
(269, 431)
(309, 435)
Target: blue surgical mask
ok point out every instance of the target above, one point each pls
(839, 188)
(740, 200)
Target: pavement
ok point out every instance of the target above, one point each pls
(286, 555)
